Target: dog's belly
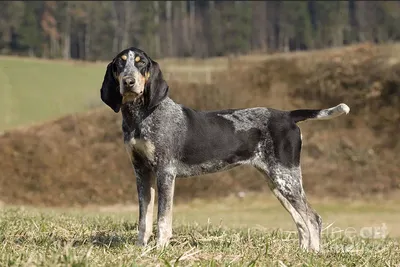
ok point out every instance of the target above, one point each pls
(185, 170)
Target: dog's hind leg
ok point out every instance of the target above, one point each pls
(146, 193)
(286, 184)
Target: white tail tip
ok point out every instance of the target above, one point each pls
(329, 113)
(342, 107)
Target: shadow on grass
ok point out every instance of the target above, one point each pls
(110, 240)
(99, 239)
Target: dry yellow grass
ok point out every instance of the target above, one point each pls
(250, 231)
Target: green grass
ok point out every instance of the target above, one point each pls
(234, 232)
(35, 90)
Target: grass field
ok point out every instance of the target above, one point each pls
(63, 160)
(35, 90)
(254, 231)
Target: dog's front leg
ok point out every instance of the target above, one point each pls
(146, 192)
(165, 187)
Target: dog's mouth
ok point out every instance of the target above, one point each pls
(130, 97)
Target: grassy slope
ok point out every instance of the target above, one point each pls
(234, 231)
(35, 90)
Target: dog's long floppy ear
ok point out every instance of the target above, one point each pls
(156, 87)
(109, 91)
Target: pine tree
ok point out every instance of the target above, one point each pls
(30, 34)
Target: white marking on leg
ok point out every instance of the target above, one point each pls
(315, 233)
(302, 228)
(165, 217)
(146, 224)
(146, 207)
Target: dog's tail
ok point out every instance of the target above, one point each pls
(319, 114)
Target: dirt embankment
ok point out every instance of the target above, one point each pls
(80, 159)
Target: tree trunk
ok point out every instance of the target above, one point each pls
(86, 40)
(114, 22)
(192, 19)
(177, 30)
(67, 34)
(127, 24)
(168, 11)
(81, 45)
(259, 26)
(361, 18)
(185, 26)
(157, 41)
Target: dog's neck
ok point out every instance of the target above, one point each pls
(135, 112)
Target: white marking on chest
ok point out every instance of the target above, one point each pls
(144, 147)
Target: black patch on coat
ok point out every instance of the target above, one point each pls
(212, 137)
(286, 138)
(303, 114)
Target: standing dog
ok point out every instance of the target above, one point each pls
(166, 140)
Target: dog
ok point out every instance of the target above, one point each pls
(166, 140)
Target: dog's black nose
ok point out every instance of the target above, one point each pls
(129, 82)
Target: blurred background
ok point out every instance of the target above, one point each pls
(61, 146)
(97, 30)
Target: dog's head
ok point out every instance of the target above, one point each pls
(132, 75)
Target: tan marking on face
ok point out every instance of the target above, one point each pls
(143, 80)
(129, 97)
(137, 59)
(124, 57)
(147, 75)
(132, 71)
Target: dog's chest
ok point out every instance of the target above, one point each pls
(140, 146)
(138, 142)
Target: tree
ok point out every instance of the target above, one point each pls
(259, 26)
(11, 16)
(237, 26)
(49, 28)
(30, 34)
(97, 30)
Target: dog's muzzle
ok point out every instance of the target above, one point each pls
(128, 82)
(130, 91)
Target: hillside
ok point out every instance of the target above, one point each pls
(35, 90)
(80, 159)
